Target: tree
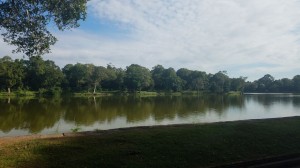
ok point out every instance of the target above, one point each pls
(296, 81)
(287, 85)
(11, 72)
(265, 83)
(156, 73)
(24, 22)
(185, 75)
(53, 76)
(171, 82)
(77, 76)
(111, 82)
(137, 77)
(42, 74)
(199, 80)
(238, 84)
(220, 83)
(166, 79)
(99, 73)
(251, 87)
(115, 80)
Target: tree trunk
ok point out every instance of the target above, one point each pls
(95, 87)
(8, 90)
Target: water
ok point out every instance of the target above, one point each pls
(57, 115)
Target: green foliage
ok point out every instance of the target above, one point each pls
(77, 76)
(54, 91)
(25, 93)
(220, 83)
(11, 73)
(296, 81)
(156, 74)
(25, 22)
(42, 74)
(76, 129)
(237, 84)
(171, 82)
(267, 84)
(115, 80)
(46, 78)
(137, 78)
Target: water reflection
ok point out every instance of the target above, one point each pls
(267, 100)
(38, 115)
(33, 115)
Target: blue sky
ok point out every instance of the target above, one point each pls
(245, 38)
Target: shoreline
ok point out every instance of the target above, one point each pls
(6, 140)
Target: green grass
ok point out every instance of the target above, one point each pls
(145, 94)
(126, 93)
(99, 94)
(234, 93)
(171, 146)
(5, 94)
(20, 93)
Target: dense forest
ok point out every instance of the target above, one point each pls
(45, 76)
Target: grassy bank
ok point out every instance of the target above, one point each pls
(171, 146)
(148, 93)
(49, 93)
(125, 93)
(18, 94)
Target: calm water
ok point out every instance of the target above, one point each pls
(47, 116)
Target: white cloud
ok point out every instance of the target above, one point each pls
(208, 35)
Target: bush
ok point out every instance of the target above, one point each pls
(55, 91)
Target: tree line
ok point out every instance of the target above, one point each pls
(268, 84)
(45, 76)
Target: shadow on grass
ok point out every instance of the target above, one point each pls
(175, 146)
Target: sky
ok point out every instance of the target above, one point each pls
(245, 38)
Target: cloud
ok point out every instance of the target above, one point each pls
(239, 36)
(209, 34)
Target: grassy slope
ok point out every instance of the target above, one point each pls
(172, 146)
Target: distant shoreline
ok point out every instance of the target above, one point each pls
(32, 94)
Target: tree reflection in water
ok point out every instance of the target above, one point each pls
(35, 115)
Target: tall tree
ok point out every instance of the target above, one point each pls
(99, 73)
(185, 75)
(115, 80)
(137, 77)
(296, 81)
(156, 73)
(42, 74)
(77, 76)
(220, 82)
(112, 81)
(24, 22)
(238, 84)
(287, 85)
(53, 76)
(199, 80)
(264, 83)
(171, 82)
(11, 72)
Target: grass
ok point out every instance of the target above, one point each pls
(198, 145)
(19, 93)
(126, 93)
(99, 94)
(234, 93)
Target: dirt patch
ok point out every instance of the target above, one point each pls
(12, 140)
